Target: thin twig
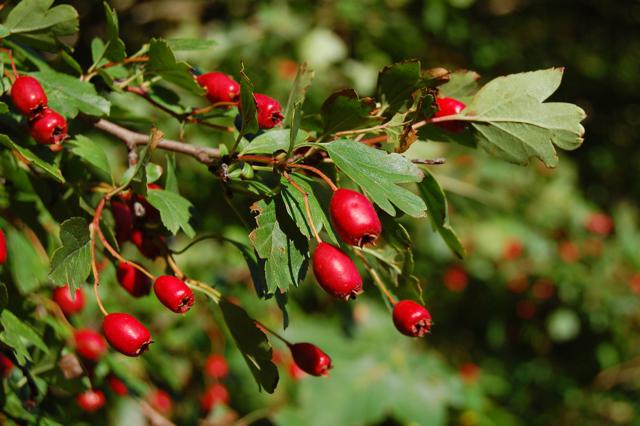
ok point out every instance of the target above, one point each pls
(306, 205)
(94, 264)
(376, 277)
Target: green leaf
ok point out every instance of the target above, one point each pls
(248, 108)
(29, 154)
(19, 336)
(170, 180)
(396, 84)
(379, 174)
(115, 49)
(4, 108)
(27, 267)
(174, 210)
(278, 241)
(273, 141)
(344, 110)
(70, 96)
(462, 85)
(253, 345)
(91, 152)
(511, 121)
(301, 84)
(35, 15)
(181, 44)
(71, 263)
(163, 62)
(4, 296)
(438, 212)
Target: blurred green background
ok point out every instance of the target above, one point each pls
(539, 325)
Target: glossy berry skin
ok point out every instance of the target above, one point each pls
(411, 318)
(132, 280)
(69, 305)
(28, 96)
(89, 344)
(354, 217)
(91, 400)
(173, 293)
(311, 359)
(220, 87)
(3, 248)
(117, 386)
(216, 366)
(449, 106)
(49, 128)
(161, 401)
(123, 218)
(269, 111)
(336, 273)
(214, 395)
(126, 334)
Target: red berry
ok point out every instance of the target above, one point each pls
(214, 395)
(49, 128)
(295, 372)
(89, 344)
(449, 106)
(161, 401)
(117, 386)
(469, 372)
(456, 278)
(411, 318)
(6, 365)
(173, 293)
(513, 250)
(150, 246)
(91, 400)
(3, 248)
(269, 111)
(220, 87)
(123, 217)
(336, 273)
(311, 359)
(216, 366)
(143, 211)
(69, 305)
(132, 280)
(599, 223)
(28, 96)
(126, 334)
(354, 217)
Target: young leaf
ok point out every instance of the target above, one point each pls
(253, 344)
(278, 241)
(170, 179)
(69, 95)
(28, 269)
(396, 84)
(19, 336)
(163, 62)
(90, 152)
(28, 154)
(301, 84)
(248, 108)
(273, 141)
(115, 49)
(379, 174)
(437, 208)
(37, 15)
(174, 210)
(71, 263)
(344, 110)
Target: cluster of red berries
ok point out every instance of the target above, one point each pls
(216, 367)
(46, 125)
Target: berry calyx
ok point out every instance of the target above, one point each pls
(354, 217)
(269, 111)
(449, 106)
(336, 273)
(117, 386)
(173, 293)
(411, 318)
(91, 400)
(89, 344)
(69, 305)
(3, 248)
(161, 401)
(214, 395)
(126, 334)
(132, 280)
(123, 218)
(220, 87)
(28, 96)
(49, 128)
(311, 359)
(216, 366)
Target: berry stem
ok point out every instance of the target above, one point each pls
(320, 174)
(214, 294)
(94, 263)
(273, 333)
(174, 267)
(307, 207)
(13, 65)
(376, 277)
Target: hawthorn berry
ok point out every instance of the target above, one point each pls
(311, 359)
(411, 318)
(269, 111)
(144, 213)
(49, 128)
(132, 280)
(6, 365)
(69, 305)
(161, 401)
(215, 394)
(456, 278)
(117, 386)
(173, 293)
(599, 223)
(91, 400)
(123, 218)
(449, 106)
(3, 248)
(89, 344)
(126, 334)
(150, 245)
(220, 87)
(216, 366)
(335, 271)
(28, 96)
(354, 217)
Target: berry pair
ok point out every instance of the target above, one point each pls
(46, 125)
